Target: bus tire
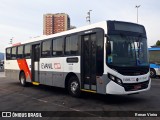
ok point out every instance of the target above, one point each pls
(23, 79)
(74, 87)
(152, 73)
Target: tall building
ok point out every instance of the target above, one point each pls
(54, 23)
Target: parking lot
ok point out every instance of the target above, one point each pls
(1, 69)
(14, 97)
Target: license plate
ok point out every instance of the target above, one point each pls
(136, 87)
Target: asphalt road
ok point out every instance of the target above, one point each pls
(1, 70)
(14, 97)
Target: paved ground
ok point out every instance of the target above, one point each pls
(2, 74)
(13, 97)
(1, 69)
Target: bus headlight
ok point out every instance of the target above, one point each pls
(115, 79)
(119, 81)
(111, 77)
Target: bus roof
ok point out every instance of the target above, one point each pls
(83, 28)
(102, 24)
(154, 48)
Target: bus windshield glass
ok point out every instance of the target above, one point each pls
(127, 51)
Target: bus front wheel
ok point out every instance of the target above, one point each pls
(152, 73)
(23, 79)
(74, 87)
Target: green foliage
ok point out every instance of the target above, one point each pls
(158, 43)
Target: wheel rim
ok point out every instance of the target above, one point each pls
(22, 80)
(74, 86)
(151, 73)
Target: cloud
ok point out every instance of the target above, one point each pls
(18, 34)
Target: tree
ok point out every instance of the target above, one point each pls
(158, 43)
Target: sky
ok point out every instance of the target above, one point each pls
(23, 19)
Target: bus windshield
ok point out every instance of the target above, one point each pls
(127, 51)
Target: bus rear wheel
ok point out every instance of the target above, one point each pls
(152, 73)
(74, 87)
(23, 79)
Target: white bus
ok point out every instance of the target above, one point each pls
(109, 57)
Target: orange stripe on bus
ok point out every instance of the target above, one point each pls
(16, 44)
(22, 63)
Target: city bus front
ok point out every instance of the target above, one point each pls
(127, 64)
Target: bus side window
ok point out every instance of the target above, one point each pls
(13, 53)
(46, 48)
(71, 45)
(8, 53)
(57, 47)
(27, 51)
(20, 52)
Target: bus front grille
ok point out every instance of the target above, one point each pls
(135, 86)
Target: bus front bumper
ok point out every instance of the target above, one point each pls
(114, 88)
(157, 71)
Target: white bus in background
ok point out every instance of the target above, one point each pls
(109, 57)
(154, 60)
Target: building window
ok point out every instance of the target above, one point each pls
(57, 47)
(46, 48)
(71, 45)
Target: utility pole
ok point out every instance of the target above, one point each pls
(88, 18)
(11, 41)
(137, 6)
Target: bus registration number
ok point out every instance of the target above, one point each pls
(136, 87)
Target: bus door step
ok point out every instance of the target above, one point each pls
(35, 83)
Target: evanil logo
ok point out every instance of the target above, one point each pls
(46, 66)
(57, 65)
(51, 66)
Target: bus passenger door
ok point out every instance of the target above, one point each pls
(35, 62)
(88, 64)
